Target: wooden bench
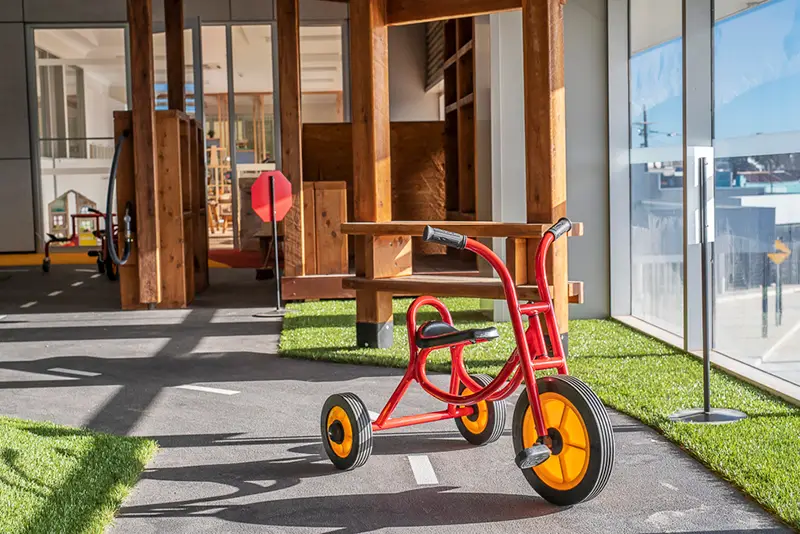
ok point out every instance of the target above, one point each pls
(383, 270)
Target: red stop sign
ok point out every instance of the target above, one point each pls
(261, 196)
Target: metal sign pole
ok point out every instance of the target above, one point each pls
(279, 304)
(706, 414)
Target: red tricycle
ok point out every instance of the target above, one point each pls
(104, 262)
(562, 435)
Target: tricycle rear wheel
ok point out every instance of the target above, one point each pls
(487, 423)
(346, 431)
(582, 451)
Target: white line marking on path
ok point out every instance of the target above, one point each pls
(373, 416)
(29, 304)
(209, 390)
(97, 276)
(84, 270)
(73, 372)
(668, 486)
(55, 293)
(423, 470)
(788, 335)
(76, 284)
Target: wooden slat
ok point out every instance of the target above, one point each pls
(330, 205)
(315, 287)
(369, 67)
(288, 18)
(469, 228)
(140, 20)
(309, 228)
(170, 196)
(545, 133)
(176, 70)
(451, 286)
(126, 192)
(413, 11)
(517, 259)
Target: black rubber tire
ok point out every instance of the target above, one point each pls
(46, 265)
(601, 440)
(112, 269)
(101, 266)
(362, 430)
(496, 421)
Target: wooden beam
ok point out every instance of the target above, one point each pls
(413, 11)
(176, 71)
(468, 228)
(545, 134)
(288, 17)
(372, 168)
(369, 60)
(140, 20)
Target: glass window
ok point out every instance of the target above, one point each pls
(656, 171)
(80, 82)
(321, 77)
(160, 70)
(757, 146)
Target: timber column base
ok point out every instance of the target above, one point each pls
(374, 319)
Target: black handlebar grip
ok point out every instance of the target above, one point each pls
(96, 212)
(443, 237)
(560, 228)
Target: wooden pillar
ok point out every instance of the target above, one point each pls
(288, 17)
(140, 20)
(545, 137)
(369, 70)
(176, 73)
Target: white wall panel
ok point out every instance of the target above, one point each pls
(16, 206)
(586, 80)
(14, 133)
(10, 10)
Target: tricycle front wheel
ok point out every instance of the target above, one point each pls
(582, 451)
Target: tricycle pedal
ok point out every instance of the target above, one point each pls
(532, 456)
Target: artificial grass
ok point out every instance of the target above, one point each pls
(629, 371)
(58, 479)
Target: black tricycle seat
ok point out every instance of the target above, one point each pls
(438, 334)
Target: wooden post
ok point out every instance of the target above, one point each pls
(288, 17)
(140, 20)
(545, 137)
(369, 70)
(176, 73)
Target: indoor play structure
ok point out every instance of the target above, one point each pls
(562, 435)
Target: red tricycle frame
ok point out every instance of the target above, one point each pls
(529, 356)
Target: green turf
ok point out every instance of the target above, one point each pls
(630, 371)
(55, 479)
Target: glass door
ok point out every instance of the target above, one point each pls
(193, 67)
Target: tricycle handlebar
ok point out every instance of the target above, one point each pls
(443, 237)
(560, 228)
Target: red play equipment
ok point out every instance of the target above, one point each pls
(104, 263)
(563, 439)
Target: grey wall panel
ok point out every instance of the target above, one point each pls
(252, 10)
(207, 10)
(75, 11)
(586, 79)
(10, 10)
(16, 206)
(323, 10)
(408, 100)
(14, 134)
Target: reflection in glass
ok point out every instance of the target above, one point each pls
(656, 170)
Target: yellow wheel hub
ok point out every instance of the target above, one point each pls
(339, 423)
(565, 470)
(473, 424)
